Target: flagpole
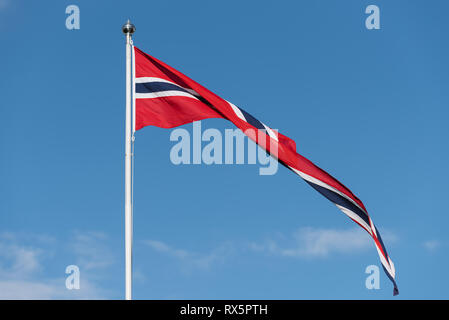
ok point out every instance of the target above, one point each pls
(128, 29)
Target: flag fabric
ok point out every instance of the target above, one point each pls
(166, 98)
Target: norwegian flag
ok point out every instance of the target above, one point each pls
(166, 98)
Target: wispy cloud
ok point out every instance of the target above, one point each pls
(165, 248)
(318, 243)
(432, 245)
(193, 259)
(91, 250)
(24, 267)
(28, 289)
(18, 260)
(4, 4)
(306, 242)
(20, 266)
(34, 289)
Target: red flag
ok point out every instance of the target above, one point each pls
(166, 98)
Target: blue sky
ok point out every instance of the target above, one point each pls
(368, 106)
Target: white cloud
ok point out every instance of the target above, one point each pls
(23, 289)
(306, 242)
(163, 247)
(432, 245)
(17, 260)
(91, 250)
(320, 242)
(315, 242)
(4, 4)
(193, 259)
(46, 290)
(23, 267)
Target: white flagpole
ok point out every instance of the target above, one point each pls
(128, 29)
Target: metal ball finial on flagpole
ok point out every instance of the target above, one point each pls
(128, 29)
